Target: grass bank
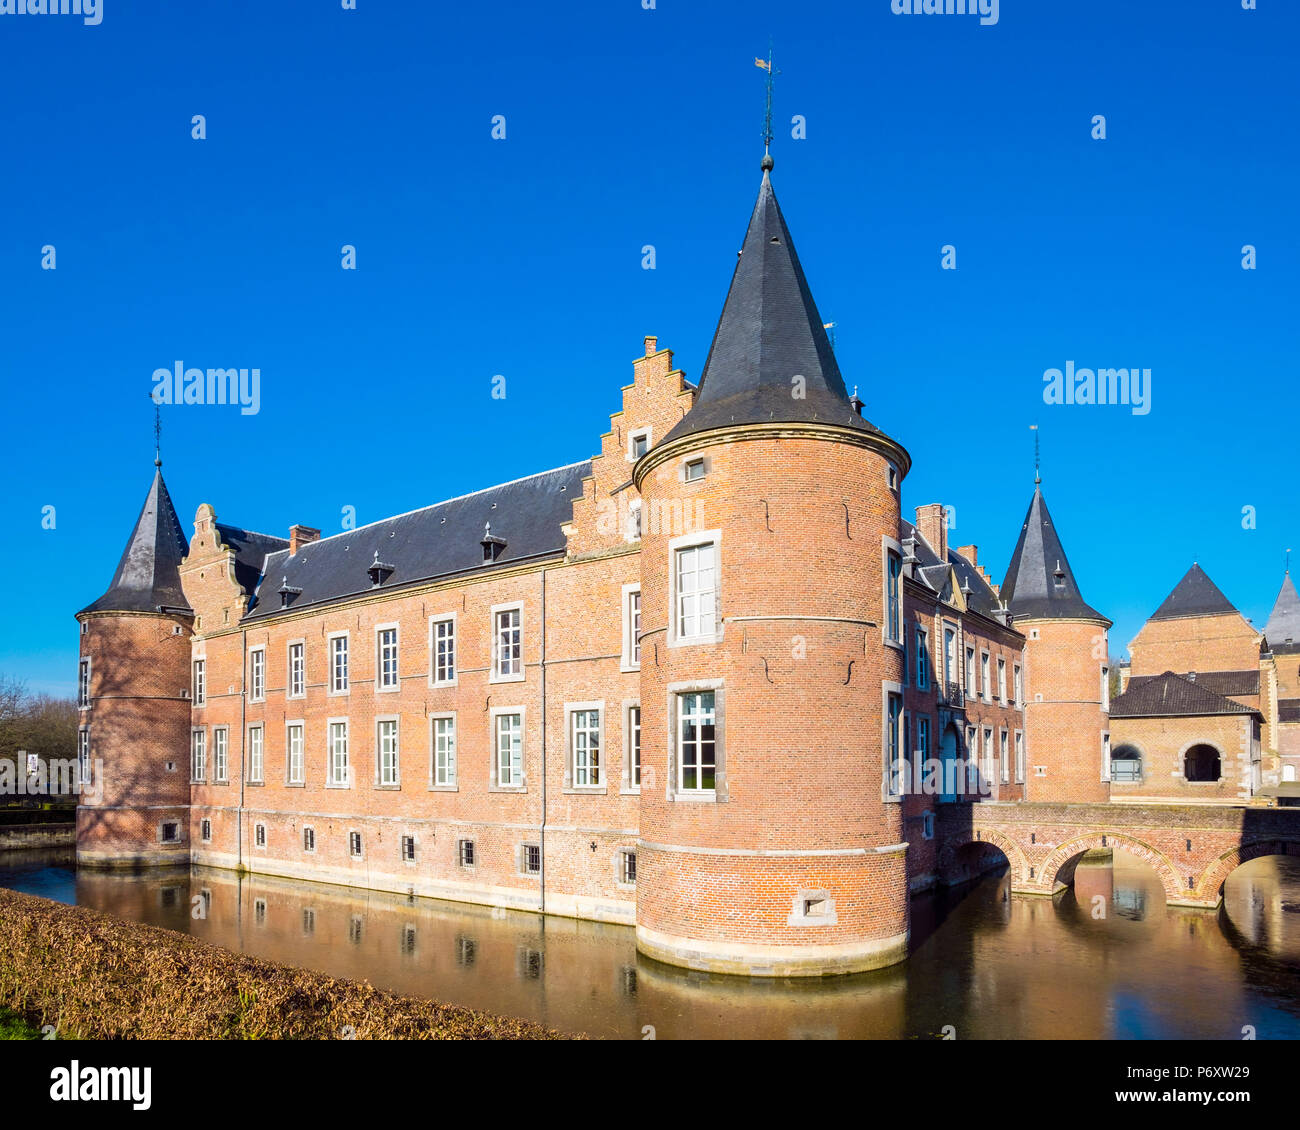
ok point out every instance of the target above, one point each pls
(100, 978)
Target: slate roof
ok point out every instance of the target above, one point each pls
(251, 551)
(769, 333)
(148, 574)
(1172, 696)
(1226, 683)
(1194, 595)
(932, 572)
(1283, 628)
(437, 541)
(1031, 589)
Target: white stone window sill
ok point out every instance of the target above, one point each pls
(696, 797)
(444, 788)
(594, 790)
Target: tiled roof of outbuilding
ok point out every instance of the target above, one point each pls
(1226, 683)
(1170, 695)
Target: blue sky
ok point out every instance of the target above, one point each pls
(522, 257)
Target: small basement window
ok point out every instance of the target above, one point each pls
(171, 832)
(205, 831)
(465, 852)
(408, 849)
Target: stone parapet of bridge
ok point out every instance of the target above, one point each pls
(1193, 848)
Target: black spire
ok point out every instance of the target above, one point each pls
(1194, 595)
(1283, 628)
(148, 575)
(1039, 583)
(769, 334)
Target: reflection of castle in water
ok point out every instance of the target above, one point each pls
(1260, 899)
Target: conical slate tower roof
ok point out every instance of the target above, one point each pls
(1039, 582)
(1283, 628)
(148, 575)
(769, 334)
(1194, 595)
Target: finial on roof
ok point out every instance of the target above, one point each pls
(1038, 478)
(767, 162)
(157, 433)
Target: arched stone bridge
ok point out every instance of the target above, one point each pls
(1193, 848)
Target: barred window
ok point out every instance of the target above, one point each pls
(465, 852)
(627, 867)
(531, 859)
(259, 835)
(408, 849)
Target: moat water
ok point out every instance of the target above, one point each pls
(984, 963)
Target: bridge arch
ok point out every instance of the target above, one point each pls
(1210, 885)
(1058, 867)
(1015, 857)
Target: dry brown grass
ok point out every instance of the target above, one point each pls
(98, 977)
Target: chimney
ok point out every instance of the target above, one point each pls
(651, 345)
(300, 536)
(970, 552)
(932, 521)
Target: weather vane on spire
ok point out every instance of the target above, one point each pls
(1037, 477)
(772, 72)
(157, 434)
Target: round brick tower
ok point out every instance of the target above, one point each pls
(1066, 714)
(135, 704)
(771, 838)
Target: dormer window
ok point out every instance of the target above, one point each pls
(492, 545)
(288, 592)
(1059, 576)
(379, 571)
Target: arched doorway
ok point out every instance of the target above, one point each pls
(1202, 763)
(1126, 765)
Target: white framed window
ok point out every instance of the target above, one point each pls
(631, 628)
(338, 775)
(444, 751)
(1004, 755)
(632, 729)
(198, 755)
(83, 682)
(257, 674)
(297, 670)
(895, 761)
(465, 853)
(1105, 689)
(508, 748)
(199, 688)
(970, 672)
(338, 644)
(922, 659)
(507, 643)
(387, 762)
(293, 753)
(638, 443)
(1105, 757)
(1018, 684)
(893, 595)
(695, 590)
(1002, 680)
(256, 754)
(627, 868)
(586, 739)
(694, 470)
(891, 476)
(386, 676)
(309, 838)
(83, 756)
(697, 742)
(408, 849)
(986, 684)
(1020, 757)
(354, 844)
(442, 650)
(988, 753)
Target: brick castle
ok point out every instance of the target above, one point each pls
(710, 682)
